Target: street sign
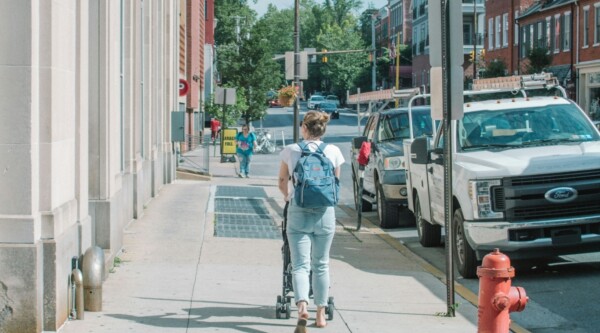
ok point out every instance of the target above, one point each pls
(289, 65)
(225, 96)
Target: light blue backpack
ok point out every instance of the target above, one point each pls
(315, 183)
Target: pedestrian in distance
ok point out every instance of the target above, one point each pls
(215, 127)
(246, 143)
(310, 231)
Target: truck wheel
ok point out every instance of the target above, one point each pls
(429, 234)
(366, 205)
(387, 212)
(464, 255)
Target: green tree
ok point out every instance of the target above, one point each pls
(539, 59)
(495, 68)
(342, 69)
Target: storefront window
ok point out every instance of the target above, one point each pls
(595, 103)
(594, 78)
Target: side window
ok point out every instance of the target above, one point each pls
(439, 141)
(370, 128)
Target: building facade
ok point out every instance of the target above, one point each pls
(400, 35)
(588, 56)
(87, 90)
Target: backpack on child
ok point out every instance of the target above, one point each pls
(315, 183)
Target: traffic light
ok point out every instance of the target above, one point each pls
(324, 58)
(482, 53)
(472, 56)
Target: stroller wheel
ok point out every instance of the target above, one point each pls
(288, 310)
(278, 310)
(330, 308)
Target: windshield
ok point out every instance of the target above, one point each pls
(317, 98)
(395, 126)
(325, 105)
(544, 125)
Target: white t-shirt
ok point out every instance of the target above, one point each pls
(291, 154)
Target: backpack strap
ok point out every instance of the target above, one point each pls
(322, 147)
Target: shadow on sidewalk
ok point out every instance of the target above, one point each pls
(199, 317)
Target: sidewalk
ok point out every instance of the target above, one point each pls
(177, 275)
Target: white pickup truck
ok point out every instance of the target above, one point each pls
(526, 180)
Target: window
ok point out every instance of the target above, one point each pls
(532, 43)
(548, 36)
(557, 33)
(597, 24)
(516, 28)
(586, 22)
(490, 34)
(498, 32)
(524, 42)
(540, 34)
(505, 32)
(567, 32)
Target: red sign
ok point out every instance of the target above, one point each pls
(183, 87)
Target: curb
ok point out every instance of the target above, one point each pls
(461, 290)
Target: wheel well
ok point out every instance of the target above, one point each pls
(455, 203)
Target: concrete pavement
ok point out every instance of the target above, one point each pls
(188, 266)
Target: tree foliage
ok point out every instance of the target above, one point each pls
(246, 47)
(495, 68)
(539, 59)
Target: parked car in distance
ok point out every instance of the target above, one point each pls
(274, 103)
(330, 108)
(314, 100)
(333, 99)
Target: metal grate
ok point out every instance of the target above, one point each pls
(241, 212)
(241, 192)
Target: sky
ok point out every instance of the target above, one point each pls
(261, 6)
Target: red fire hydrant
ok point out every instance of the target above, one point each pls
(496, 296)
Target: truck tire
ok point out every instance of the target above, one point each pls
(366, 205)
(386, 211)
(464, 255)
(430, 235)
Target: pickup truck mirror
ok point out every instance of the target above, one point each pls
(358, 141)
(418, 151)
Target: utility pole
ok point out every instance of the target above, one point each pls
(237, 31)
(474, 39)
(296, 65)
(373, 76)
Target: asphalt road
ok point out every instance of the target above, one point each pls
(563, 292)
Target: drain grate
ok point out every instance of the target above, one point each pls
(241, 212)
(241, 191)
(230, 225)
(241, 206)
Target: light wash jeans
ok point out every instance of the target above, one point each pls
(310, 234)
(244, 163)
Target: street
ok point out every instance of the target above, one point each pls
(563, 291)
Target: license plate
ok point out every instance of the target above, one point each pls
(566, 236)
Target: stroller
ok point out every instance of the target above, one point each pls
(283, 307)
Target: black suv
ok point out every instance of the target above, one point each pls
(384, 176)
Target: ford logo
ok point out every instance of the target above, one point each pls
(561, 194)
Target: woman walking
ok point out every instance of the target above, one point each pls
(245, 142)
(310, 231)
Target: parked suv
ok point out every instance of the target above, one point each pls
(384, 176)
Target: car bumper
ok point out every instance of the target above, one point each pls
(394, 192)
(535, 239)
